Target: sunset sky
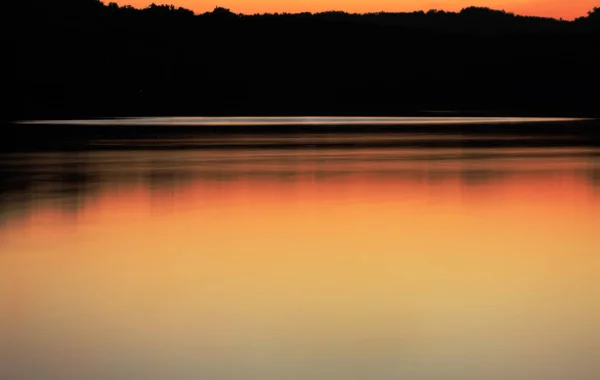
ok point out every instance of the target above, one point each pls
(549, 8)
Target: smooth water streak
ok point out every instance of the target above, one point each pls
(309, 120)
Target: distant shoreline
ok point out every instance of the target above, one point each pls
(72, 59)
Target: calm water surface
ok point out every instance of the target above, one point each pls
(279, 256)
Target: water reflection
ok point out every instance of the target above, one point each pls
(70, 178)
(318, 262)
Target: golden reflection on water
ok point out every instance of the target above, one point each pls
(306, 264)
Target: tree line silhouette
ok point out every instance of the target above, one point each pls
(74, 58)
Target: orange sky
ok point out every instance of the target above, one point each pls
(550, 8)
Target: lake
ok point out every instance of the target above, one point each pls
(420, 249)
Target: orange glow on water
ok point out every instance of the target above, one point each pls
(253, 271)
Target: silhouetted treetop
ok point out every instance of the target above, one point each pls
(469, 18)
(167, 10)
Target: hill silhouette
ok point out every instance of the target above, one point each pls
(75, 58)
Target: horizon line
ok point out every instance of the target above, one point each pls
(333, 10)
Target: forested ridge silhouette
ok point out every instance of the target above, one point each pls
(81, 58)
